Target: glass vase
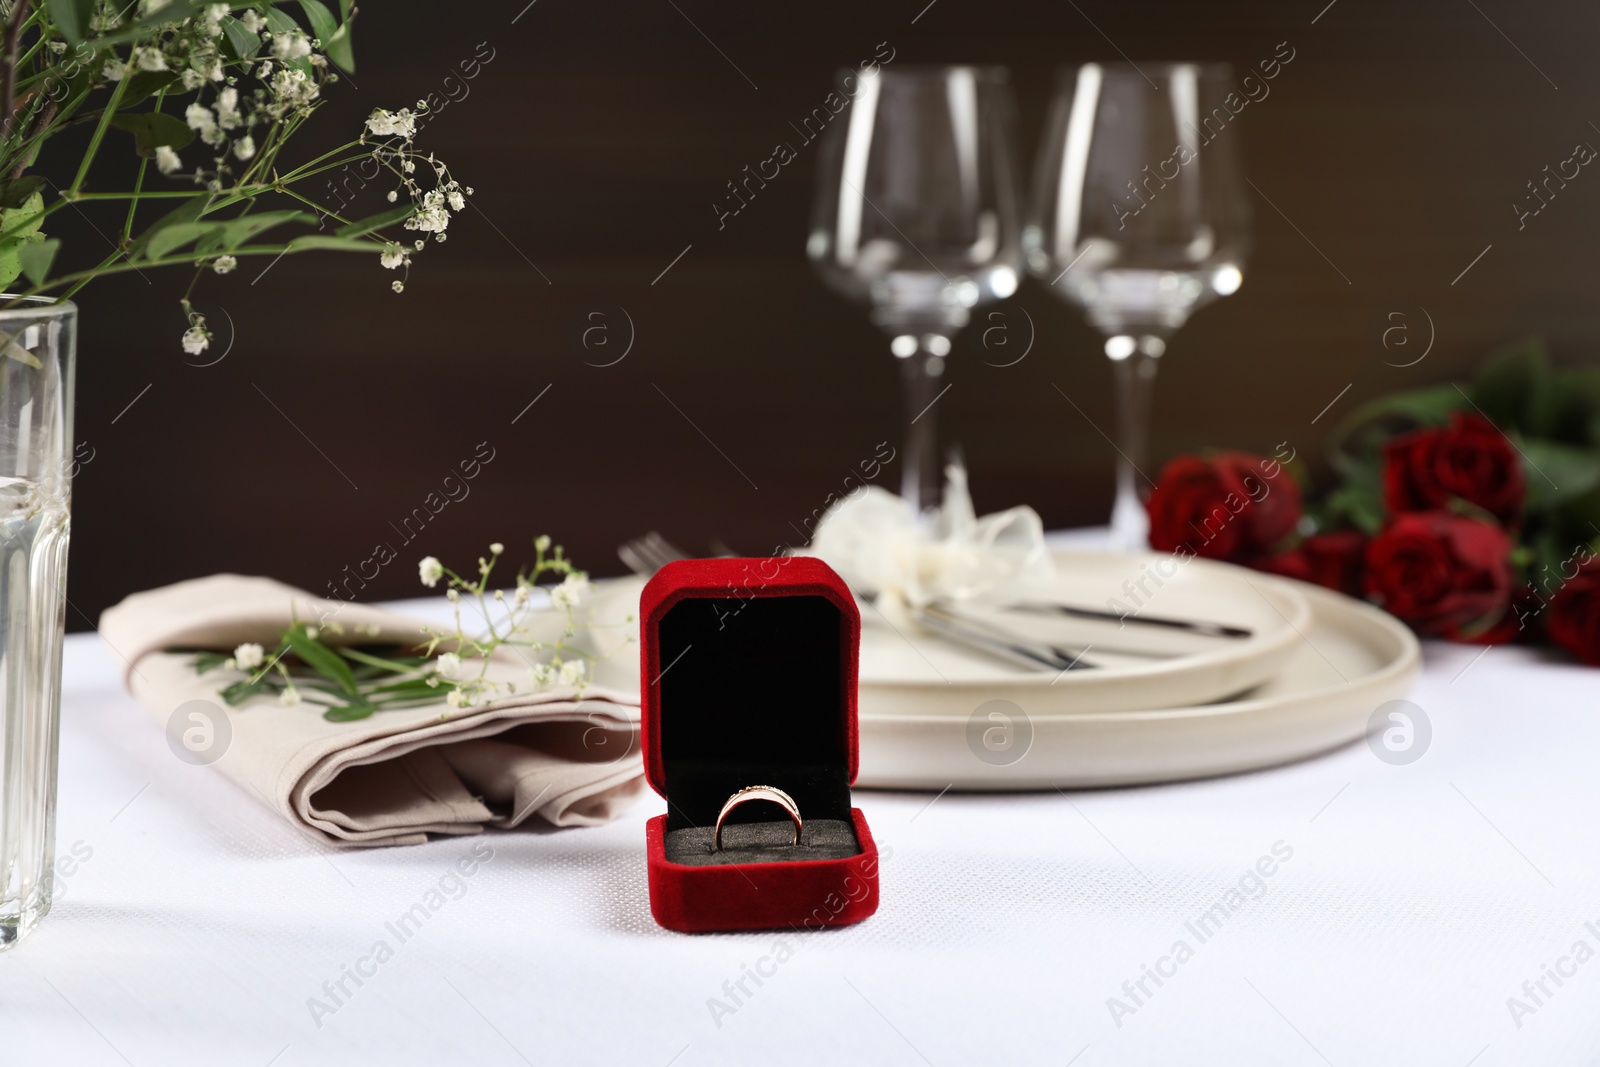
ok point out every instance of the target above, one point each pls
(37, 340)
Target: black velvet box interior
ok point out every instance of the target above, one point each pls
(751, 694)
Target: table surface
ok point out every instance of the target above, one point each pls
(1406, 906)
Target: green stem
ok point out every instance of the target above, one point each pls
(100, 132)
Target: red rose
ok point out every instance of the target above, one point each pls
(1331, 560)
(1230, 506)
(1469, 459)
(1520, 614)
(1574, 619)
(1443, 573)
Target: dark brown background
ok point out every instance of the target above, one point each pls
(597, 139)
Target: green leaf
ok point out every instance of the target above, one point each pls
(72, 17)
(1417, 407)
(339, 49)
(323, 24)
(241, 42)
(375, 222)
(171, 238)
(18, 191)
(239, 692)
(1359, 506)
(239, 231)
(348, 712)
(327, 243)
(188, 211)
(397, 666)
(278, 22)
(145, 84)
(1557, 473)
(209, 661)
(322, 659)
(36, 258)
(154, 129)
(1514, 384)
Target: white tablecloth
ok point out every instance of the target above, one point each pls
(195, 927)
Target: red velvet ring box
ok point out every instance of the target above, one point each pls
(748, 672)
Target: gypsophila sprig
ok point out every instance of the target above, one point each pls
(210, 93)
(332, 666)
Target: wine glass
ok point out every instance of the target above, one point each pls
(917, 213)
(1139, 217)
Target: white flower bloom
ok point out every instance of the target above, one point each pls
(248, 657)
(398, 286)
(496, 548)
(294, 89)
(385, 123)
(228, 108)
(146, 58)
(114, 70)
(572, 672)
(167, 161)
(58, 47)
(214, 15)
(199, 118)
(394, 194)
(430, 570)
(208, 66)
(544, 674)
(290, 697)
(244, 147)
(223, 264)
(456, 200)
(192, 79)
(522, 594)
(542, 542)
(291, 45)
(392, 255)
(252, 21)
(448, 665)
(457, 698)
(312, 631)
(265, 70)
(195, 340)
(432, 216)
(453, 595)
(571, 589)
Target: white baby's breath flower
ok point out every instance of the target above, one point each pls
(244, 147)
(167, 161)
(265, 70)
(457, 698)
(199, 117)
(430, 570)
(147, 58)
(394, 194)
(291, 45)
(247, 657)
(453, 595)
(195, 340)
(496, 548)
(572, 672)
(252, 20)
(448, 665)
(290, 697)
(456, 200)
(571, 589)
(114, 70)
(294, 89)
(392, 255)
(385, 123)
(544, 675)
(523, 594)
(192, 79)
(312, 631)
(228, 108)
(223, 264)
(398, 286)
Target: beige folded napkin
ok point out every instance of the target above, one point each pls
(397, 776)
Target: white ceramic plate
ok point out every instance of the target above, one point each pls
(909, 672)
(1348, 660)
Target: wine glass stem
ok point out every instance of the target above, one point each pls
(920, 373)
(1135, 373)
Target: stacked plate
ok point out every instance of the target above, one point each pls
(1214, 669)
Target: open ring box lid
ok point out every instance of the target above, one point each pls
(748, 676)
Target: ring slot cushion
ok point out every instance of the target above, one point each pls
(748, 674)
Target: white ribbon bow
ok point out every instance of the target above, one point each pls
(878, 544)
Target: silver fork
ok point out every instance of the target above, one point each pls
(648, 554)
